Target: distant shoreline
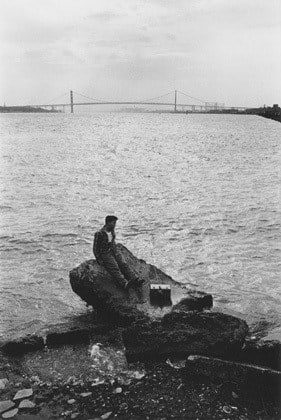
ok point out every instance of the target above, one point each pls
(16, 109)
(273, 113)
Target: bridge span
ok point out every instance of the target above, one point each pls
(203, 106)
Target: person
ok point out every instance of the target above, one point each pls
(105, 251)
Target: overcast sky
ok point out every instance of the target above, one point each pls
(219, 50)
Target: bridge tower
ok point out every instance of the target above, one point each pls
(175, 101)
(71, 102)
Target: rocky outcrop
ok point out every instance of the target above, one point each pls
(155, 332)
(245, 378)
(182, 333)
(97, 288)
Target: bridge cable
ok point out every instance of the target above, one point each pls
(57, 97)
(158, 97)
(192, 97)
(48, 102)
(88, 97)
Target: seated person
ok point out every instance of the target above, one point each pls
(104, 249)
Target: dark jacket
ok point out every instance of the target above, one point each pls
(102, 245)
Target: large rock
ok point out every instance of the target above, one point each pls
(184, 333)
(22, 345)
(96, 287)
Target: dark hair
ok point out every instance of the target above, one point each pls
(110, 219)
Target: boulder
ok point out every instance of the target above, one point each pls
(245, 378)
(96, 287)
(66, 334)
(181, 334)
(22, 345)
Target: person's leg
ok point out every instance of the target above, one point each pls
(110, 263)
(126, 270)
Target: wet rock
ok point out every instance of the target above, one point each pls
(23, 393)
(245, 377)
(6, 405)
(68, 337)
(96, 287)
(22, 345)
(26, 404)
(262, 353)
(196, 300)
(61, 335)
(10, 414)
(181, 334)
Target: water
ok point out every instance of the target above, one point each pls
(197, 195)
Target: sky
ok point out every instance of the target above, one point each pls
(216, 50)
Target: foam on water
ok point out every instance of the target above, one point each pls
(197, 195)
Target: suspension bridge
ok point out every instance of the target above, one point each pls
(176, 101)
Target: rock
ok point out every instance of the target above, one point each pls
(97, 288)
(23, 393)
(3, 383)
(117, 391)
(22, 345)
(196, 300)
(6, 405)
(26, 404)
(181, 334)
(62, 334)
(106, 415)
(10, 414)
(262, 353)
(75, 336)
(71, 401)
(85, 394)
(74, 416)
(97, 381)
(245, 377)
(138, 375)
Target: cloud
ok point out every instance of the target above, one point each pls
(197, 45)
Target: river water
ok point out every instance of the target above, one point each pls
(197, 195)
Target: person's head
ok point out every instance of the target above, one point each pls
(110, 222)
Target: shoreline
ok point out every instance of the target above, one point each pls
(67, 382)
(82, 373)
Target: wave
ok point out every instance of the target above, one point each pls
(3, 208)
(4, 248)
(34, 251)
(60, 235)
(22, 241)
(232, 230)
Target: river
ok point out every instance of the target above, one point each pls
(197, 195)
